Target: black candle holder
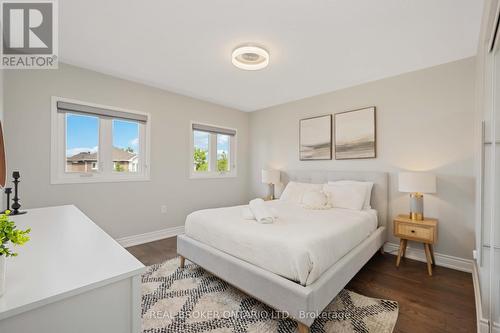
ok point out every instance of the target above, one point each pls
(16, 205)
(8, 191)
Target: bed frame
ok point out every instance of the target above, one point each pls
(303, 303)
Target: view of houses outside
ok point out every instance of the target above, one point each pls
(201, 151)
(82, 144)
(126, 143)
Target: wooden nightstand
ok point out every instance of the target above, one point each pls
(419, 231)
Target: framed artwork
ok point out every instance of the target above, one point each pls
(315, 138)
(355, 134)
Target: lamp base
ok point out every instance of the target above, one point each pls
(417, 206)
(271, 192)
(416, 216)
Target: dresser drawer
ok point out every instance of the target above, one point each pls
(414, 232)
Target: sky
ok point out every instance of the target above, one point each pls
(125, 134)
(82, 134)
(201, 140)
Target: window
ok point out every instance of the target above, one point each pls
(213, 151)
(93, 143)
(82, 143)
(125, 145)
(201, 157)
(223, 142)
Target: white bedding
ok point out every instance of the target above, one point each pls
(300, 245)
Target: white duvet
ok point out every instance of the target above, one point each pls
(300, 245)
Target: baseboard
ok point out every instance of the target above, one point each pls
(150, 236)
(444, 260)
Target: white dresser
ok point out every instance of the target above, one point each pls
(71, 277)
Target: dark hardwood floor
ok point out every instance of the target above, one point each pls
(443, 302)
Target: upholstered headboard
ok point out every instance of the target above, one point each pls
(380, 192)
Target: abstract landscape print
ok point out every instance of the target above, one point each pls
(355, 134)
(316, 138)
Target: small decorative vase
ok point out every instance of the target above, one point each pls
(3, 266)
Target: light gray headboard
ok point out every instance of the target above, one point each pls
(380, 192)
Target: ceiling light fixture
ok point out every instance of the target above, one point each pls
(250, 58)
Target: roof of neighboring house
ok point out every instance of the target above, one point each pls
(119, 155)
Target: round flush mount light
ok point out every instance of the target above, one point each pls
(250, 58)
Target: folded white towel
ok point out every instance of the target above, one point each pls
(247, 214)
(260, 211)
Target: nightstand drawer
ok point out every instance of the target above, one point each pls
(412, 231)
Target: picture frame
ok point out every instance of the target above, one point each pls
(356, 134)
(315, 138)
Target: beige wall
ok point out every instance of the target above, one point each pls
(424, 122)
(126, 208)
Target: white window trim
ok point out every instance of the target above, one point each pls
(105, 175)
(233, 171)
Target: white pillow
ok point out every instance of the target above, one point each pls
(315, 200)
(294, 191)
(345, 196)
(368, 185)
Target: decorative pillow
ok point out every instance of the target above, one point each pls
(367, 185)
(315, 200)
(294, 191)
(347, 196)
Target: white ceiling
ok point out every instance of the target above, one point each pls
(316, 46)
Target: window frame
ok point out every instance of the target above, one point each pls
(105, 172)
(212, 157)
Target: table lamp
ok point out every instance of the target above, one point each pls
(417, 183)
(271, 177)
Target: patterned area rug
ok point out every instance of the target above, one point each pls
(192, 300)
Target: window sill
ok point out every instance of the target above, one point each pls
(209, 175)
(91, 180)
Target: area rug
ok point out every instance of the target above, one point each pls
(192, 300)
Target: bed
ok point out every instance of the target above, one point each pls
(288, 264)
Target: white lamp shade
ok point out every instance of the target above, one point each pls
(420, 182)
(270, 176)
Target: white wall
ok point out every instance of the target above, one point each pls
(424, 122)
(126, 208)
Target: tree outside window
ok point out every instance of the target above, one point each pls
(212, 152)
(200, 160)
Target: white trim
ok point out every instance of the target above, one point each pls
(211, 175)
(89, 180)
(105, 173)
(444, 260)
(150, 236)
(233, 144)
(482, 323)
